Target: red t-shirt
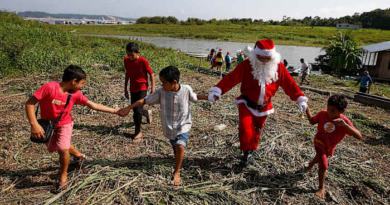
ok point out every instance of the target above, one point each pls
(328, 134)
(52, 102)
(137, 72)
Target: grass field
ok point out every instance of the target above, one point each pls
(27, 47)
(283, 35)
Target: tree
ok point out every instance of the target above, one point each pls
(343, 54)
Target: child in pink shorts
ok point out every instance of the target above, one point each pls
(52, 98)
(332, 128)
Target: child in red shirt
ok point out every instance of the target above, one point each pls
(137, 71)
(52, 98)
(332, 128)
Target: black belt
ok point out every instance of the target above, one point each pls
(254, 105)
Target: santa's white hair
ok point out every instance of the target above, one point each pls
(265, 72)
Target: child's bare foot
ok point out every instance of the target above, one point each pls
(176, 179)
(137, 138)
(321, 193)
(63, 185)
(149, 117)
(81, 161)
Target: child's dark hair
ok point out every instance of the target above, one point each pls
(338, 101)
(73, 72)
(132, 47)
(170, 74)
(219, 54)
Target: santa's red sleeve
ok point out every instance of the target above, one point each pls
(288, 84)
(231, 79)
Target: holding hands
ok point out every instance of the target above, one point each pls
(124, 111)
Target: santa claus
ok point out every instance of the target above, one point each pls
(260, 76)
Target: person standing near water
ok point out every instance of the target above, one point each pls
(228, 61)
(305, 71)
(365, 83)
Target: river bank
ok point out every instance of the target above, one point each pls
(282, 35)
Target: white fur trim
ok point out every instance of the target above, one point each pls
(262, 93)
(264, 52)
(254, 112)
(302, 99)
(216, 90)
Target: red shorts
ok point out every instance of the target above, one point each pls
(61, 138)
(322, 157)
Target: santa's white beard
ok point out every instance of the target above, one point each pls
(265, 72)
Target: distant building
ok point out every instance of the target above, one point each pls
(376, 59)
(347, 26)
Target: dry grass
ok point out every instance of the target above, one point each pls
(121, 172)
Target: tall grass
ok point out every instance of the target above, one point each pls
(28, 47)
(283, 35)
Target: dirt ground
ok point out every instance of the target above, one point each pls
(121, 172)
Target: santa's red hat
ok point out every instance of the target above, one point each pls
(264, 47)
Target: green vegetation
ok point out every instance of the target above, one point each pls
(378, 19)
(282, 35)
(28, 47)
(343, 54)
(332, 83)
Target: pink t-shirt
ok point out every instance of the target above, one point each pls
(328, 134)
(52, 102)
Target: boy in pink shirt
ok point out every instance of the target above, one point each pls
(52, 98)
(332, 128)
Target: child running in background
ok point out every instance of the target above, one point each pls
(332, 128)
(137, 71)
(174, 100)
(52, 98)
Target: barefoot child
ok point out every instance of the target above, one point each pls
(52, 98)
(332, 128)
(174, 100)
(137, 71)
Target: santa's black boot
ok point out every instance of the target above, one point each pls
(246, 159)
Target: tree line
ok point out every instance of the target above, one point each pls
(378, 19)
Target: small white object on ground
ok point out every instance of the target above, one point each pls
(219, 127)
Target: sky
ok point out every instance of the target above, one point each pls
(203, 9)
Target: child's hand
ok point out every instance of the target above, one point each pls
(116, 111)
(340, 122)
(37, 131)
(124, 111)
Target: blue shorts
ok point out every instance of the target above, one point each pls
(181, 139)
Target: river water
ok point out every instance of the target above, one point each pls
(291, 53)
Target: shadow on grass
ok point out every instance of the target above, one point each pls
(385, 140)
(191, 168)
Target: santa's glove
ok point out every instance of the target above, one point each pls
(302, 103)
(215, 91)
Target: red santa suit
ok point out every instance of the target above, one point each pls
(258, 86)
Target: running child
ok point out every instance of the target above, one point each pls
(174, 100)
(52, 98)
(331, 130)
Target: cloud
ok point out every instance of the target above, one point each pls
(340, 11)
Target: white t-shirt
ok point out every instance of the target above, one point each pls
(304, 66)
